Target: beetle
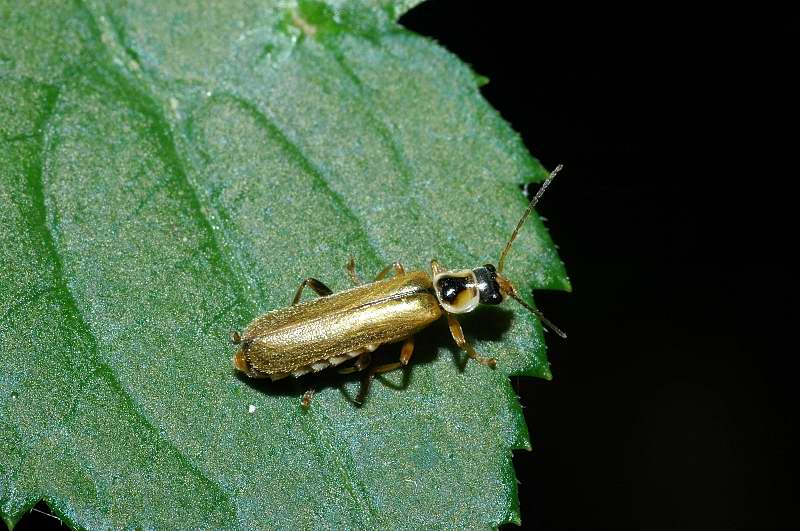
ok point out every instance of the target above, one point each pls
(334, 328)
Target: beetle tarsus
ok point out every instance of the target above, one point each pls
(461, 341)
(307, 397)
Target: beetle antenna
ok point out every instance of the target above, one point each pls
(549, 324)
(524, 217)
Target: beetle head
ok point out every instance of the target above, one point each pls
(460, 291)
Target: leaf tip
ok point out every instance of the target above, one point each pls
(10, 523)
(566, 284)
(401, 7)
(481, 80)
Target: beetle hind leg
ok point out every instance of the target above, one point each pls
(321, 289)
(305, 402)
(405, 356)
(361, 363)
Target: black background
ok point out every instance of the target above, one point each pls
(671, 406)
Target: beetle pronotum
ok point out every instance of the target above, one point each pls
(317, 334)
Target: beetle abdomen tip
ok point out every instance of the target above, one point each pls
(240, 362)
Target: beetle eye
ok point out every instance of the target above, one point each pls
(494, 298)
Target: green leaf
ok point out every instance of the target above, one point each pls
(167, 173)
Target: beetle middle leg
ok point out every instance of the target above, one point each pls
(351, 271)
(458, 336)
(405, 356)
(398, 270)
(321, 289)
(356, 280)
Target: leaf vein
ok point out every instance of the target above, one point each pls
(354, 488)
(398, 157)
(294, 150)
(35, 184)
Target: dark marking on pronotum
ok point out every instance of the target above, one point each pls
(451, 287)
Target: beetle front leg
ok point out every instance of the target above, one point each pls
(405, 356)
(458, 336)
(321, 289)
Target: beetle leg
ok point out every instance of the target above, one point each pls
(361, 363)
(365, 385)
(351, 271)
(398, 270)
(405, 356)
(307, 396)
(407, 350)
(321, 289)
(458, 337)
(436, 268)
